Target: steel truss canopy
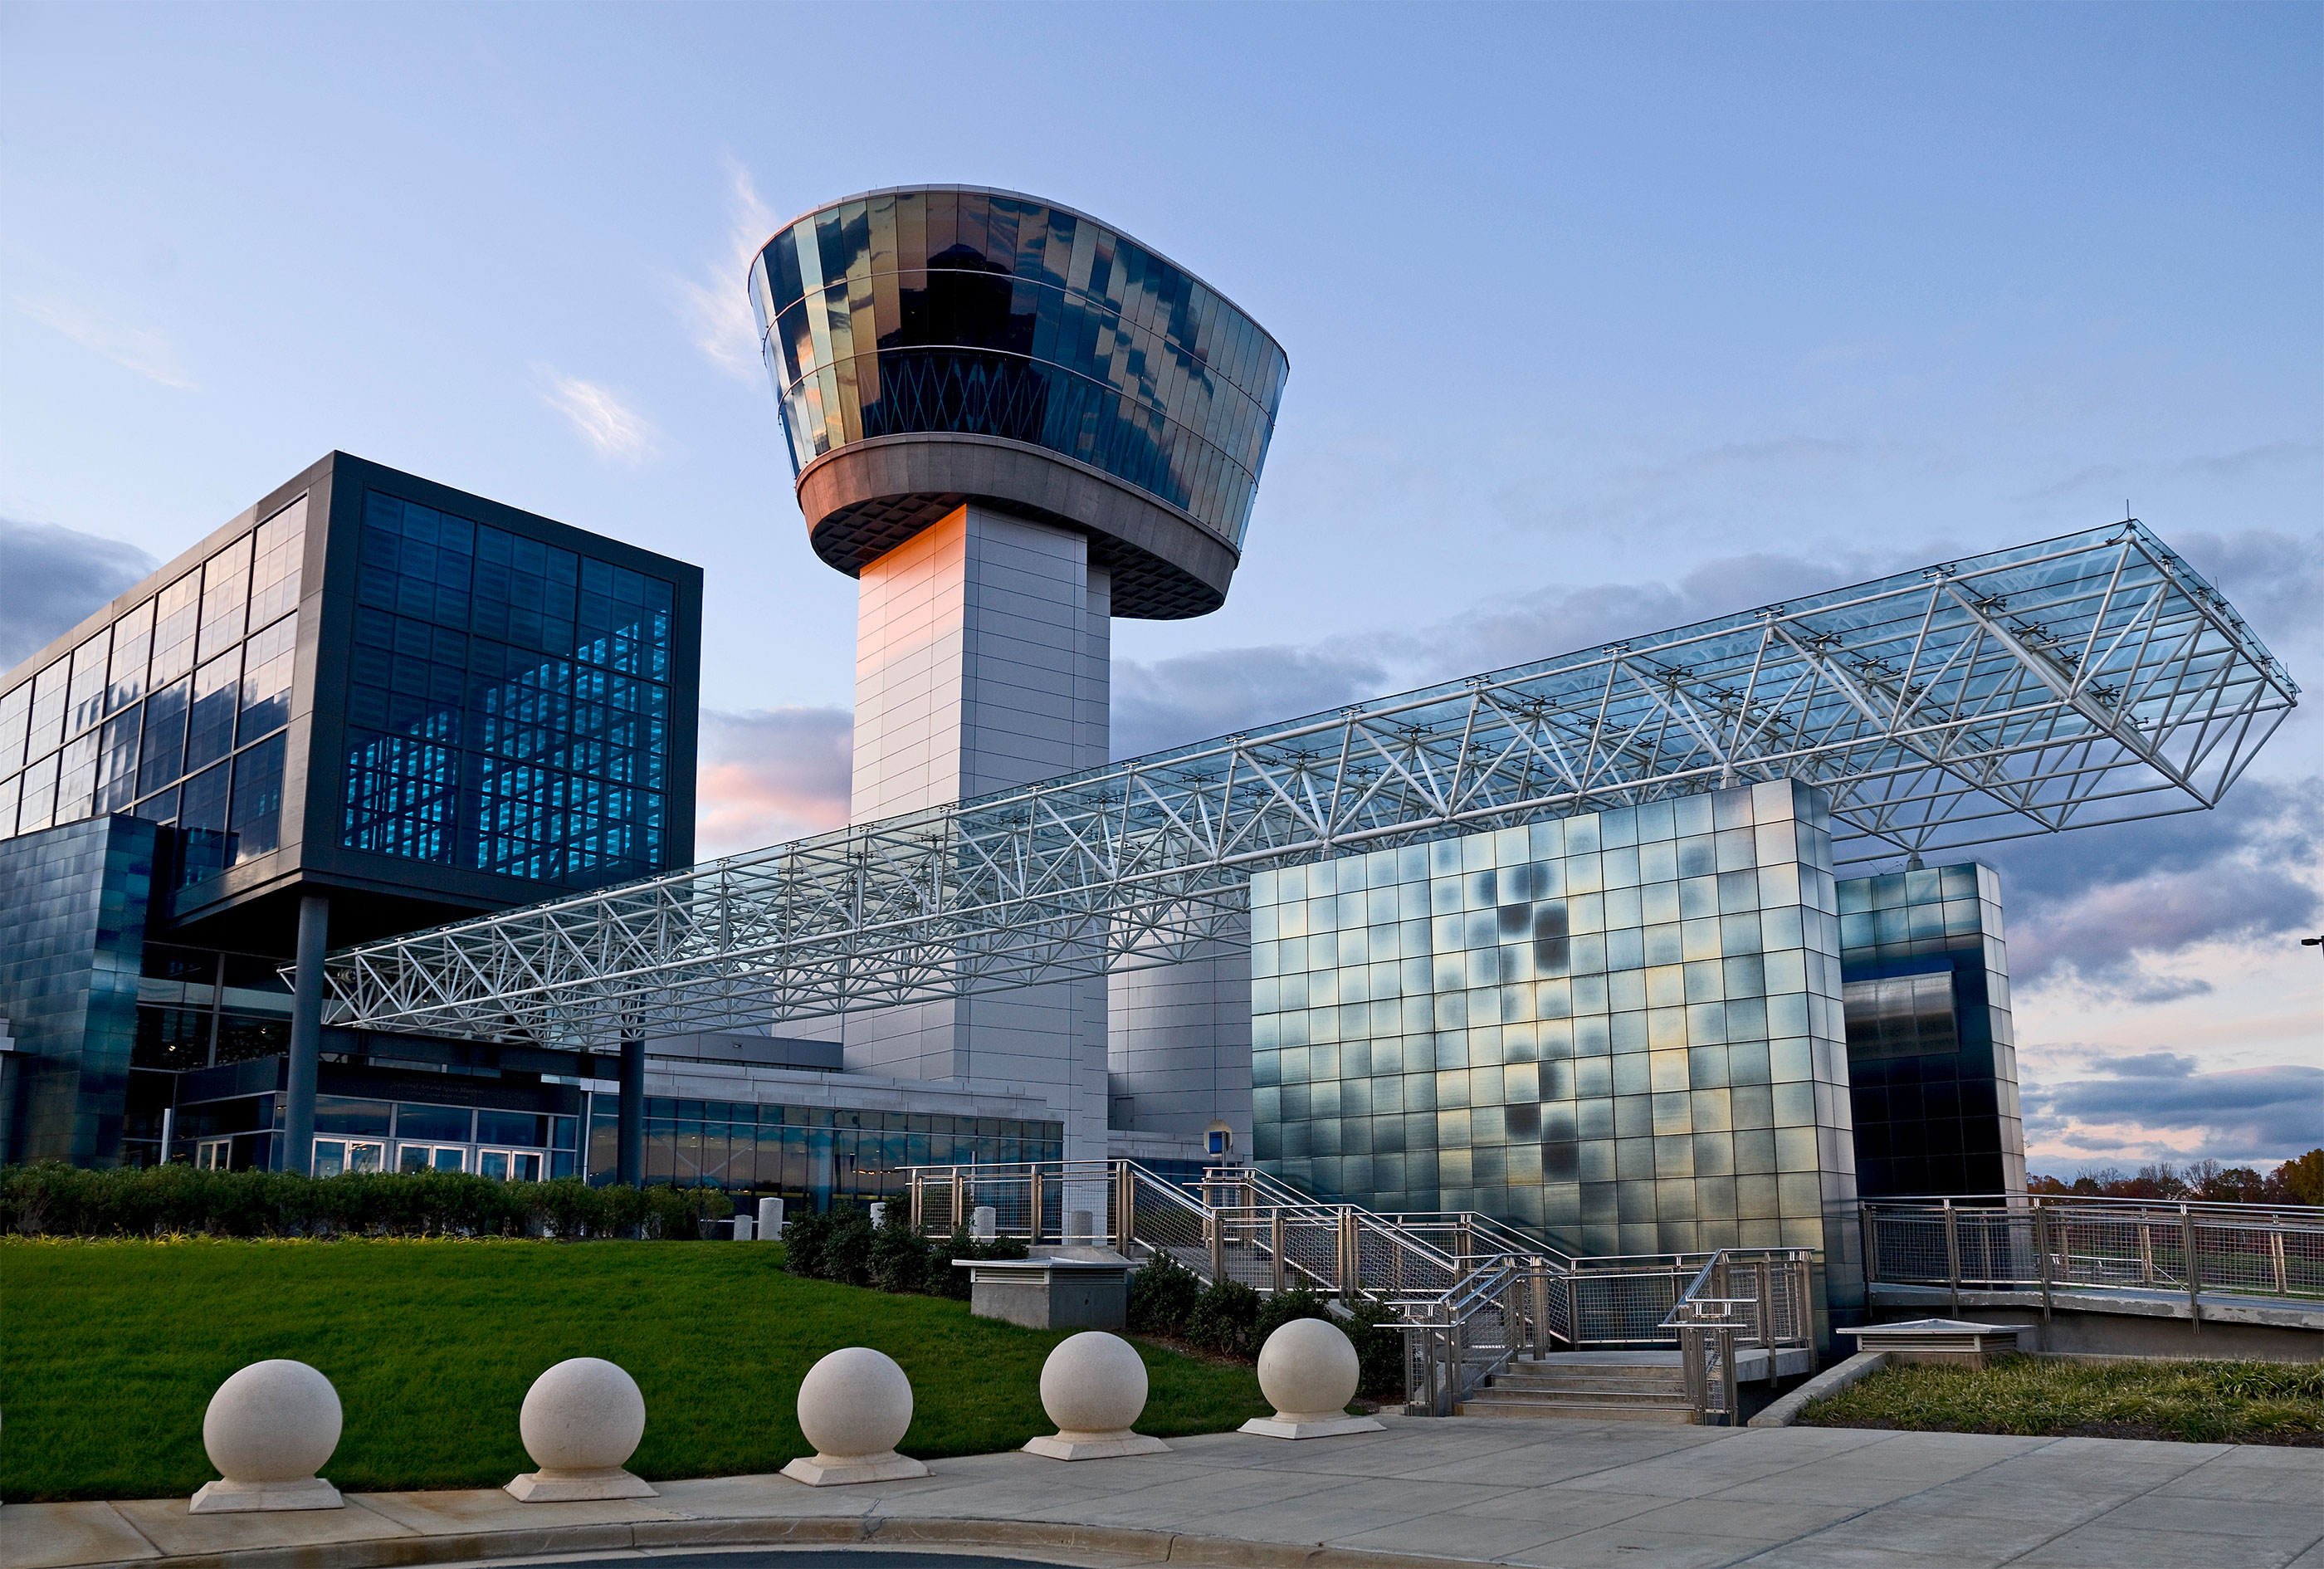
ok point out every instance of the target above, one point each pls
(2083, 680)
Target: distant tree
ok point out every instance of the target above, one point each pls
(2215, 1184)
(2046, 1185)
(2159, 1179)
(2298, 1181)
(2100, 1182)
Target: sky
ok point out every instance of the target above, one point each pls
(1600, 318)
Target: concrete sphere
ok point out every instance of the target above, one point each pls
(273, 1421)
(582, 1414)
(855, 1401)
(1094, 1383)
(1308, 1367)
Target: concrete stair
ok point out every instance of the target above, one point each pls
(1587, 1386)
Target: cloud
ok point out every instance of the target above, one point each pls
(615, 431)
(2163, 1099)
(2107, 912)
(1196, 696)
(2253, 459)
(50, 577)
(2275, 579)
(1171, 702)
(770, 776)
(149, 353)
(717, 308)
(2101, 474)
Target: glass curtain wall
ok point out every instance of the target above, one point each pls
(1624, 1028)
(178, 712)
(1000, 315)
(509, 706)
(810, 1153)
(1931, 1053)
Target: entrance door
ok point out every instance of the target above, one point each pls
(334, 1157)
(214, 1154)
(431, 1157)
(510, 1165)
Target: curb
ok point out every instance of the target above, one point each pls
(1831, 1381)
(843, 1530)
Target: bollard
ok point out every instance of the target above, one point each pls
(1309, 1370)
(1093, 1387)
(770, 1220)
(854, 1406)
(742, 1228)
(983, 1223)
(268, 1430)
(1081, 1229)
(581, 1422)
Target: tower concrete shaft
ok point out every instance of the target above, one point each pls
(982, 648)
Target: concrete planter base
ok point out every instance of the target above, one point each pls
(568, 1487)
(234, 1497)
(1095, 1446)
(1281, 1425)
(842, 1471)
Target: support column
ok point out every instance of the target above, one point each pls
(630, 1133)
(297, 1151)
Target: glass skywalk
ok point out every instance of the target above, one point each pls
(2087, 680)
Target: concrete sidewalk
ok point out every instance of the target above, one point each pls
(1547, 1494)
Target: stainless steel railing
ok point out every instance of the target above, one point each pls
(2045, 1244)
(1472, 1292)
(1743, 1299)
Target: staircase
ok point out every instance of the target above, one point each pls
(1600, 1386)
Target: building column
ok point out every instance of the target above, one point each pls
(630, 1133)
(297, 1152)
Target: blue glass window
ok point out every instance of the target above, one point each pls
(512, 703)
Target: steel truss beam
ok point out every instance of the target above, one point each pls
(2088, 679)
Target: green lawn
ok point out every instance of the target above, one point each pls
(109, 1351)
(2198, 1402)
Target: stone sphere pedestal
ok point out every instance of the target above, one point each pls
(268, 1430)
(581, 1422)
(1309, 1370)
(854, 1407)
(1093, 1387)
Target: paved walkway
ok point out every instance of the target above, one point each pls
(1557, 1495)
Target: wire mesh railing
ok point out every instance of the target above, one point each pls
(2040, 1242)
(1471, 1291)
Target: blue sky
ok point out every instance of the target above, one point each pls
(1599, 317)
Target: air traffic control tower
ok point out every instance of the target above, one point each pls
(1011, 423)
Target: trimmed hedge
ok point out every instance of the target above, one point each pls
(845, 1246)
(54, 1199)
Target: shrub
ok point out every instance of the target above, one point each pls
(900, 1258)
(1162, 1295)
(1378, 1332)
(1283, 1306)
(804, 1237)
(52, 1199)
(946, 1280)
(1223, 1318)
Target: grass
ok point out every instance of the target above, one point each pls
(2197, 1402)
(109, 1353)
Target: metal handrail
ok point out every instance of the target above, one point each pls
(1467, 1308)
(2049, 1243)
(1712, 1324)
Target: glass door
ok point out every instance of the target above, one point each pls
(510, 1165)
(335, 1156)
(431, 1157)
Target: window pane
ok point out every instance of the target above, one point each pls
(255, 822)
(268, 658)
(226, 597)
(281, 542)
(132, 646)
(85, 706)
(216, 685)
(176, 616)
